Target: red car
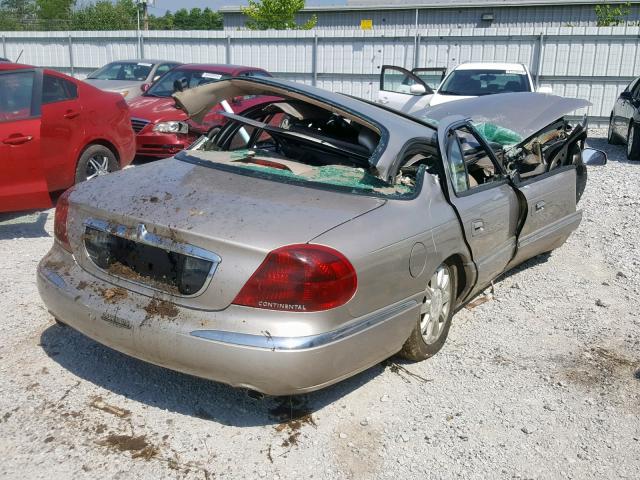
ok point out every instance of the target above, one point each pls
(56, 131)
(162, 129)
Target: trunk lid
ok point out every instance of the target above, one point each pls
(237, 217)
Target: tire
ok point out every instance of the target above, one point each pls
(424, 341)
(581, 175)
(96, 160)
(612, 137)
(633, 142)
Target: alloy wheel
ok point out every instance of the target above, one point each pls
(436, 305)
(632, 132)
(97, 166)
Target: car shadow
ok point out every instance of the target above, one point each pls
(532, 262)
(181, 393)
(23, 225)
(615, 153)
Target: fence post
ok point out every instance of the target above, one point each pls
(416, 41)
(71, 66)
(540, 59)
(141, 45)
(4, 46)
(227, 52)
(314, 60)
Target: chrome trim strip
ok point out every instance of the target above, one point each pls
(140, 234)
(54, 278)
(268, 342)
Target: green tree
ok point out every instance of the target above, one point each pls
(211, 20)
(181, 19)
(609, 15)
(54, 14)
(164, 22)
(105, 15)
(17, 14)
(276, 14)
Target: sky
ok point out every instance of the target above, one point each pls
(162, 6)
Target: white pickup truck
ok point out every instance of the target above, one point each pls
(415, 90)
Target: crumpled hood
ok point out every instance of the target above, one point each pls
(156, 109)
(524, 113)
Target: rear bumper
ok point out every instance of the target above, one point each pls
(186, 342)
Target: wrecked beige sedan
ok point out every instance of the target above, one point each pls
(313, 236)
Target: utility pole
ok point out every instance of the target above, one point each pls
(145, 15)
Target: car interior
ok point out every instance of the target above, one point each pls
(555, 146)
(304, 141)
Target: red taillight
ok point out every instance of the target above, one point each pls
(304, 278)
(60, 225)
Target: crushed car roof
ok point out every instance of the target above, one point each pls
(395, 130)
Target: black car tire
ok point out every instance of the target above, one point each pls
(612, 137)
(416, 348)
(96, 155)
(581, 177)
(633, 142)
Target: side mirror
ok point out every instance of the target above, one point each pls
(236, 100)
(417, 89)
(144, 87)
(593, 157)
(545, 90)
(626, 96)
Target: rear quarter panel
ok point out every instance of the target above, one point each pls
(396, 248)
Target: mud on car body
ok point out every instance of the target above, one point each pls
(304, 241)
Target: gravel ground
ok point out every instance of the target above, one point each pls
(541, 381)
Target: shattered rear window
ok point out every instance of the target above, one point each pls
(354, 178)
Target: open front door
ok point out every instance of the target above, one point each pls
(432, 76)
(23, 184)
(402, 90)
(551, 212)
(479, 190)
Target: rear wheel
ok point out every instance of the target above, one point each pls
(633, 142)
(612, 137)
(432, 327)
(95, 161)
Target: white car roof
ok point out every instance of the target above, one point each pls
(492, 66)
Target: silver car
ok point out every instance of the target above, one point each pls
(313, 236)
(130, 78)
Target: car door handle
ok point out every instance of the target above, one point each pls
(17, 139)
(477, 226)
(540, 206)
(71, 114)
(383, 100)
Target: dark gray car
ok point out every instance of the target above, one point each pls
(129, 77)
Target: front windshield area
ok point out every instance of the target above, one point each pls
(178, 80)
(131, 71)
(475, 83)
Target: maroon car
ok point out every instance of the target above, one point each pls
(162, 130)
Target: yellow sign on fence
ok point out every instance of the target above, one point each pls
(366, 24)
